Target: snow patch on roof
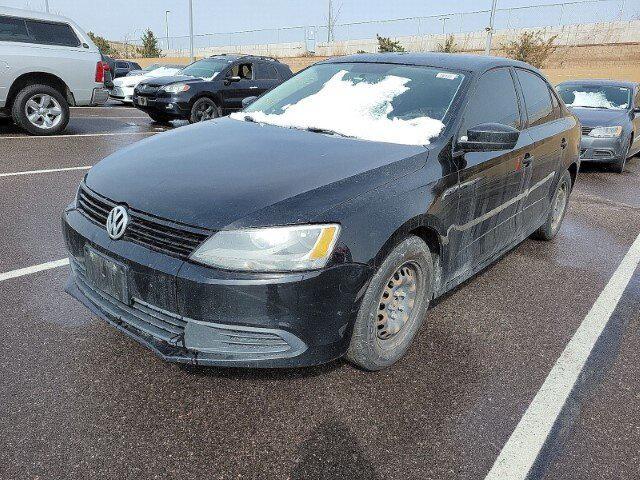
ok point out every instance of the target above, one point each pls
(361, 110)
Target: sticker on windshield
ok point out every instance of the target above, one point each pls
(448, 76)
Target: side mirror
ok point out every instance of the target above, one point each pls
(230, 80)
(248, 101)
(488, 137)
(636, 110)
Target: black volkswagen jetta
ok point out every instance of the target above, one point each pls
(323, 219)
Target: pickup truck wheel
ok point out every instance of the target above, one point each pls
(393, 307)
(557, 209)
(40, 110)
(203, 109)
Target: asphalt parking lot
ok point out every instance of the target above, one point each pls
(80, 400)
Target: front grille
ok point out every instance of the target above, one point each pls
(582, 152)
(586, 130)
(147, 89)
(149, 231)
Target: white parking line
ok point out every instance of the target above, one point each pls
(109, 116)
(523, 447)
(50, 170)
(75, 135)
(34, 269)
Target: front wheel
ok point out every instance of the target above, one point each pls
(393, 307)
(203, 109)
(40, 110)
(557, 209)
(618, 167)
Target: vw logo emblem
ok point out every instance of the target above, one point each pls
(117, 222)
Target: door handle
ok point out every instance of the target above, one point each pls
(527, 159)
(563, 143)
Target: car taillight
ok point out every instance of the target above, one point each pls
(100, 69)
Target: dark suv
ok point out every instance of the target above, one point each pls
(209, 88)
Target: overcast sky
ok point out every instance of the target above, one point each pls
(116, 19)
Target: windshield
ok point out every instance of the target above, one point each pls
(378, 102)
(595, 96)
(207, 68)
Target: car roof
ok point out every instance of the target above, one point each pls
(236, 56)
(455, 61)
(601, 81)
(33, 14)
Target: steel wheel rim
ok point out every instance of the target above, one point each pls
(559, 205)
(397, 302)
(205, 111)
(43, 111)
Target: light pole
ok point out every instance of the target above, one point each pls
(193, 58)
(166, 25)
(487, 48)
(444, 22)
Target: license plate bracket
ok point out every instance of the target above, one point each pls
(106, 275)
(142, 101)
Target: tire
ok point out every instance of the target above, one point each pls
(40, 110)
(557, 209)
(159, 118)
(203, 109)
(618, 167)
(380, 336)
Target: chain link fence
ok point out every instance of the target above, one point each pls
(350, 37)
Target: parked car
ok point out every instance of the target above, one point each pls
(609, 112)
(323, 219)
(154, 66)
(123, 67)
(123, 87)
(209, 88)
(47, 63)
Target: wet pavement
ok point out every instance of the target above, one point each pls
(80, 400)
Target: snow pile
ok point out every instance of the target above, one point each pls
(360, 110)
(593, 99)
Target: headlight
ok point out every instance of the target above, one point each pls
(176, 88)
(274, 249)
(606, 132)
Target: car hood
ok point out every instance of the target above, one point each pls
(230, 173)
(600, 117)
(166, 80)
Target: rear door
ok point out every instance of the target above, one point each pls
(549, 131)
(490, 183)
(636, 122)
(267, 77)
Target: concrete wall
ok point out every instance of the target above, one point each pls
(568, 35)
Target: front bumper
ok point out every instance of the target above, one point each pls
(123, 94)
(593, 149)
(189, 313)
(172, 106)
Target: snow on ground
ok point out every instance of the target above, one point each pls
(362, 110)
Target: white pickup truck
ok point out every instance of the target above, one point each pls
(47, 63)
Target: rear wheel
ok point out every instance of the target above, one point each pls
(557, 209)
(40, 110)
(203, 109)
(393, 307)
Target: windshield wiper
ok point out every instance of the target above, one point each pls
(327, 131)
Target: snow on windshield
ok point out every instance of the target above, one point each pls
(593, 99)
(362, 110)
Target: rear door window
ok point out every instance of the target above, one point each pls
(493, 101)
(266, 72)
(122, 65)
(50, 33)
(13, 29)
(537, 98)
